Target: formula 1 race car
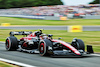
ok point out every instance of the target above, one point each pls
(44, 44)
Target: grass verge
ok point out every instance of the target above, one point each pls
(3, 64)
(23, 21)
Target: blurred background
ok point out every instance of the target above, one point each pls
(69, 8)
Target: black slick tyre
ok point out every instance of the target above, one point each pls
(78, 44)
(43, 47)
(11, 43)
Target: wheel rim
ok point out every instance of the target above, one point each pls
(7, 43)
(42, 47)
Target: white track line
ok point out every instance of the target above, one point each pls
(2, 42)
(16, 63)
(95, 54)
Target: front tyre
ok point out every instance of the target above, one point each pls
(43, 47)
(78, 44)
(11, 43)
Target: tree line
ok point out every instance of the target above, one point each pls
(95, 2)
(4, 4)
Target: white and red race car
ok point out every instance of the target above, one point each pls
(45, 45)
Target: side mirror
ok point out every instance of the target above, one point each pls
(59, 38)
(50, 35)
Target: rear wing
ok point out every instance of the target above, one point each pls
(19, 33)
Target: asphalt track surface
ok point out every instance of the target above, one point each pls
(85, 28)
(39, 61)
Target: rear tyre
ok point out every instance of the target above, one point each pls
(78, 44)
(11, 43)
(43, 47)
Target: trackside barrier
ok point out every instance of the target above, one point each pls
(75, 28)
(63, 18)
(92, 17)
(36, 17)
(5, 24)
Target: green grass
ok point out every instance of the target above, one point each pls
(23, 21)
(89, 37)
(3, 64)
